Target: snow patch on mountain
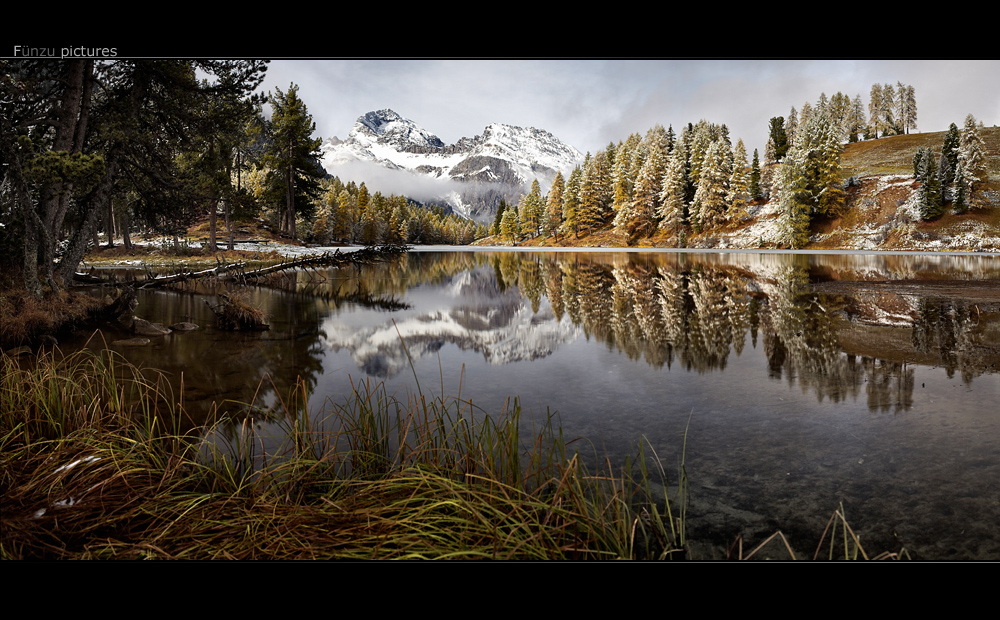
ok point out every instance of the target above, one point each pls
(504, 159)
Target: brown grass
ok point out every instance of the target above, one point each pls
(24, 320)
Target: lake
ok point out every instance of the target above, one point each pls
(802, 382)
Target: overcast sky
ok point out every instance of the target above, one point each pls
(589, 103)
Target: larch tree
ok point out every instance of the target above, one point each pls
(672, 201)
(856, 119)
(791, 126)
(739, 183)
(531, 210)
(554, 206)
(876, 110)
(709, 206)
(571, 203)
(595, 192)
(810, 179)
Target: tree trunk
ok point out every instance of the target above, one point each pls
(212, 225)
(229, 227)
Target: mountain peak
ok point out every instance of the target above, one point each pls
(388, 127)
(473, 175)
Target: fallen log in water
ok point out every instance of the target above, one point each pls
(366, 255)
(236, 272)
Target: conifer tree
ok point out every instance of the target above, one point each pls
(875, 110)
(856, 119)
(531, 210)
(929, 193)
(594, 193)
(293, 154)
(623, 175)
(961, 191)
(554, 206)
(709, 206)
(672, 201)
(509, 226)
(571, 203)
(791, 126)
(949, 152)
(739, 183)
(804, 115)
(810, 181)
(755, 190)
(777, 144)
(972, 154)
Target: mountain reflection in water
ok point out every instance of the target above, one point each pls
(809, 380)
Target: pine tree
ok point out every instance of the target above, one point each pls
(777, 141)
(293, 154)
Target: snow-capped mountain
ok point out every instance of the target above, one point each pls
(472, 175)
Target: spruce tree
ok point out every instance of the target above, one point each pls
(929, 193)
(949, 150)
(755, 191)
(972, 153)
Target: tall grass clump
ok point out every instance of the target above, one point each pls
(95, 466)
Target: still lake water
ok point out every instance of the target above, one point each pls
(810, 381)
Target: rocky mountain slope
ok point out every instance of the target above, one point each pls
(471, 176)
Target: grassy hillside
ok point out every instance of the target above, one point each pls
(894, 155)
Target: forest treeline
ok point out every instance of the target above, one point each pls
(675, 186)
(121, 147)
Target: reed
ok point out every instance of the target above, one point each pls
(92, 469)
